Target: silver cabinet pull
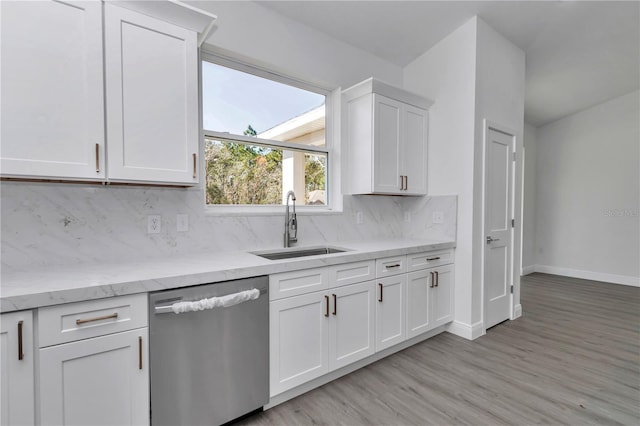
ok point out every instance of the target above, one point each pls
(84, 321)
(490, 239)
(195, 165)
(381, 287)
(97, 158)
(20, 349)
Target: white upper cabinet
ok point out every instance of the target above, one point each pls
(385, 135)
(58, 105)
(52, 122)
(152, 99)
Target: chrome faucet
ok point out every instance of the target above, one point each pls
(290, 222)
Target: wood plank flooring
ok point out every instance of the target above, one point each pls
(572, 358)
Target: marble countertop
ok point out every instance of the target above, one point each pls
(56, 285)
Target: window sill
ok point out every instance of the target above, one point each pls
(267, 211)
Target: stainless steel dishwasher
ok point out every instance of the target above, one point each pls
(209, 364)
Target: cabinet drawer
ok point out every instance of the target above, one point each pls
(429, 259)
(391, 266)
(82, 320)
(293, 283)
(351, 273)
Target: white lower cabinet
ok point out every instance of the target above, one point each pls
(298, 339)
(98, 381)
(313, 334)
(351, 328)
(429, 299)
(442, 296)
(390, 311)
(17, 393)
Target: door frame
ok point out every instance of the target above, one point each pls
(515, 309)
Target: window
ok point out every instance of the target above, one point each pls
(263, 138)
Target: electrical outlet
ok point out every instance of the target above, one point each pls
(407, 216)
(359, 218)
(154, 224)
(438, 217)
(182, 222)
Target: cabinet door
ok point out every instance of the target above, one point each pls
(442, 296)
(104, 380)
(390, 311)
(414, 150)
(298, 338)
(16, 369)
(152, 99)
(52, 121)
(351, 333)
(418, 302)
(387, 136)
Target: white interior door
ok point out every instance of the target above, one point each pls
(498, 215)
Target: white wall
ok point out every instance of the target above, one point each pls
(500, 82)
(247, 30)
(587, 193)
(529, 208)
(446, 74)
(472, 74)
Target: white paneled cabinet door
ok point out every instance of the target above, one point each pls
(152, 99)
(98, 381)
(52, 121)
(387, 137)
(298, 339)
(17, 393)
(390, 311)
(351, 332)
(414, 150)
(418, 302)
(442, 296)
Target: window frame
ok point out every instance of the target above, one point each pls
(333, 193)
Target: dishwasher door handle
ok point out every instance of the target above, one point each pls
(225, 301)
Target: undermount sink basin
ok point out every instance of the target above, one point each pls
(298, 252)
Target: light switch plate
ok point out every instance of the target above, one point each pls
(438, 217)
(359, 218)
(154, 224)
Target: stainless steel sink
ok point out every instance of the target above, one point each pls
(298, 252)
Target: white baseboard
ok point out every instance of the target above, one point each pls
(526, 270)
(517, 311)
(589, 275)
(466, 331)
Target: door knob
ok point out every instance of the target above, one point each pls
(490, 240)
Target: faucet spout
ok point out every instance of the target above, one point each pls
(290, 221)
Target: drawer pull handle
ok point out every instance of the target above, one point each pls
(335, 304)
(20, 349)
(84, 321)
(432, 280)
(140, 352)
(326, 299)
(429, 259)
(381, 287)
(437, 278)
(97, 158)
(397, 265)
(195, 165)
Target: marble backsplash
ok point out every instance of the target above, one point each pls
(46, 224)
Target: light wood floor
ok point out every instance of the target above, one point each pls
(573, 358)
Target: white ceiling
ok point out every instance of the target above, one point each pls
(578, 53)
